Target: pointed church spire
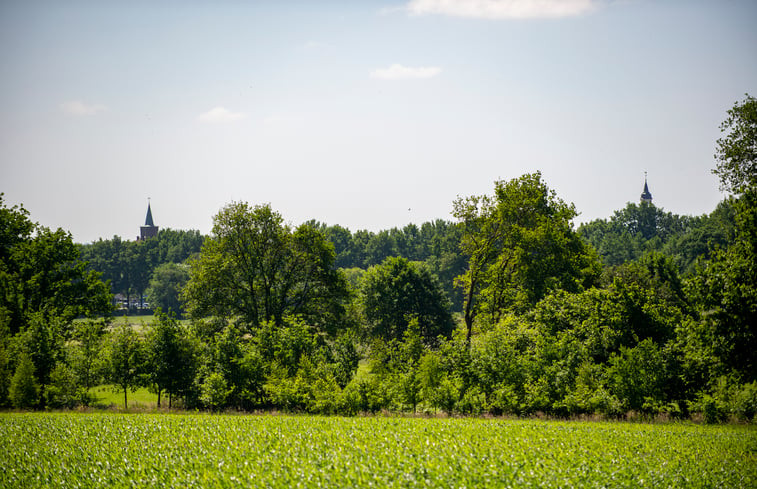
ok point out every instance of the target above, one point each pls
(645, 195)
(148, 219)
(149, 230)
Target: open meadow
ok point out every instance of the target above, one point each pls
(202, 450)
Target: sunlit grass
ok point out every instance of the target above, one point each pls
(107, 395)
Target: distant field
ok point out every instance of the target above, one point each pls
(148, 450)
(105, 395)
(139, 320)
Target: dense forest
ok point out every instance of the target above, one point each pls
(506, 310)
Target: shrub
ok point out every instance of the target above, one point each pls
(63, 391)
(473, 402)
(214, 390)
(24, 390)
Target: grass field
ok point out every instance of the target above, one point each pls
(149, 450)
(106, 395)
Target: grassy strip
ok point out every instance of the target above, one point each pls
(107, 395)
(147, 450)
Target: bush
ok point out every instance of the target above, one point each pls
(744, 402)
(214, 390)
(473, 402)
(24, 390)
(446, 395)
(728, 397)
(636, 374)
(63, 391)
(368, 394)
(505, 400)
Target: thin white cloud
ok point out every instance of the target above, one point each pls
(502, 9)
(219, 115)
(399, 72)
(79, 108)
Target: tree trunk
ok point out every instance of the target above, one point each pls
(126, 404)
(158, 397)
(469, 314)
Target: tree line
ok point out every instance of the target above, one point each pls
(508, 309)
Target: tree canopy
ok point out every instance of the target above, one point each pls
(736, 152)
(398, 291)
(40, 272)
(520, 245)
(257, 268)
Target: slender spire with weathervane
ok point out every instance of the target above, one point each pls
(645, 195)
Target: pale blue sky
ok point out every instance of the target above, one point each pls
(354, 112)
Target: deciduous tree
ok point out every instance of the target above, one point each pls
(257, 268)
(40, 271)
(170, 360)
(736, 152)
(520, 245)
(124, 359)
(398, 291)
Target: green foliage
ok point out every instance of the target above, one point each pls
(214, 390)
(130, 265)
(346, 358)
(642, 228)
(124, 360)
(521, 245)
(725, 291)
(40, 272)
(43, 341)
(436, 243)
(312, 389)
(165, 287)
(255, 267)
(727, 398)
(24, 390)
(5, 365)
(637, 375)
(64, 390)
(170, 356)
(399, 290)
(736, 152)
(84, 352)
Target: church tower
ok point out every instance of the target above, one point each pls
(645, 195)
(149, 230)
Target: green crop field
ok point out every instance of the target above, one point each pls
(148, 450)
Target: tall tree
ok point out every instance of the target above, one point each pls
(726, 286)
(256, 268)
(520, 245)
(736, 152)
(124, 359)
(398, 291)
(40, 271)
(85, 351)
(170, 360)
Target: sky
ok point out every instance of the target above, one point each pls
(369, 114)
